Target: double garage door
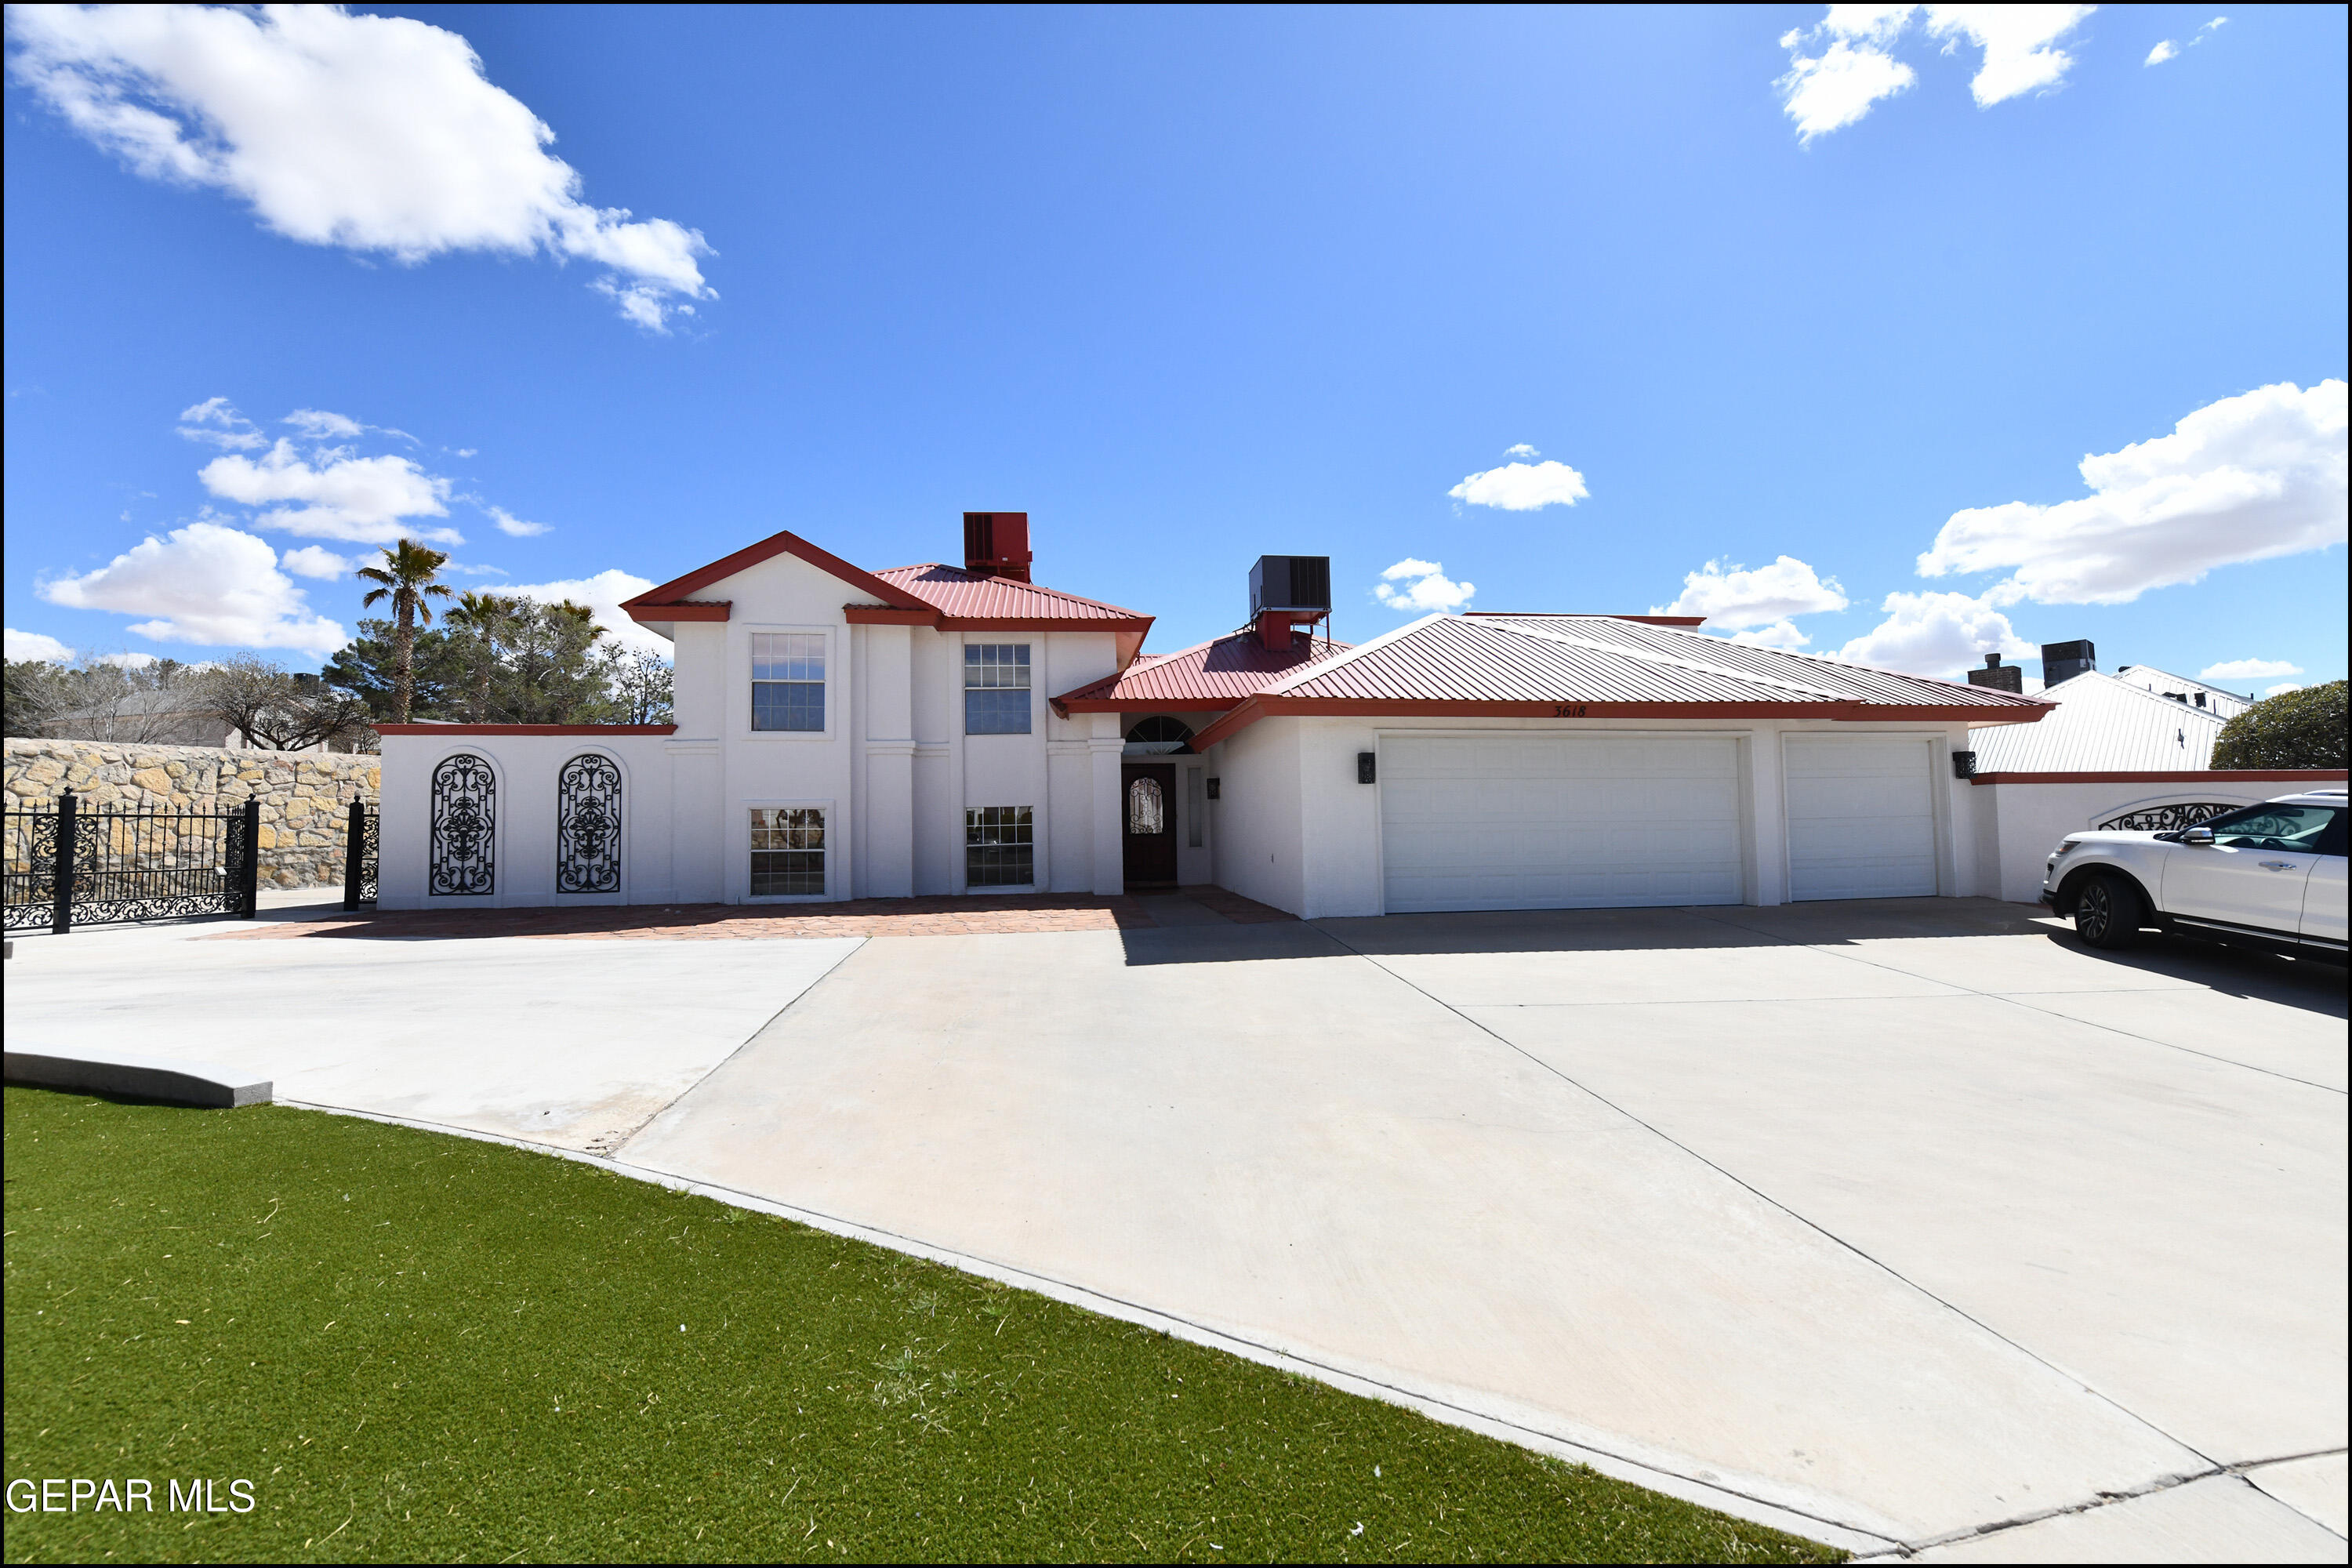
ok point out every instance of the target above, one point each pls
(1529, 822)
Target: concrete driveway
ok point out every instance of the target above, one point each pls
(1907, 1222)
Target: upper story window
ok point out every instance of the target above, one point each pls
(996, 689)
(788, 680)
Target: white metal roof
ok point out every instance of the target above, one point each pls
(2103, 725)
(2163, 682)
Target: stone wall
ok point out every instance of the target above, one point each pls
(305, 796)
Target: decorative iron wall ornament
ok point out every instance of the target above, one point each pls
(465, 819)
(588, 826)
(2166, 819)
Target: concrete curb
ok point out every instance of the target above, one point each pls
(139, 1078)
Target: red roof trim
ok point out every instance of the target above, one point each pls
(1839, 710)
(651, 604)
(684, 610)
(2210, 775)
(884, 615)
(525, 729)
(1038, 624)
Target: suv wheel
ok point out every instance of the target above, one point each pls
(2108, 912)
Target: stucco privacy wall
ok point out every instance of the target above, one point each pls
(662, 857)
(1288, 781)
(2018, 822)
(305, 796)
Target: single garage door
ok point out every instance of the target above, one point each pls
(1862, 817)
(1538, 822)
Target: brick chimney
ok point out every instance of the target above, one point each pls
(1999, 676)
(996, 544)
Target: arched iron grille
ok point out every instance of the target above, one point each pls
(1147, 809)
(464, 813)
(2166, 819)
(588, 826)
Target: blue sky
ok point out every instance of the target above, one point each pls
(1188, 287)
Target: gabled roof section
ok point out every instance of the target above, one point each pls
(674, 600)
(984, 602)
(1576, 667)
(1205, 678)
(2102, 724)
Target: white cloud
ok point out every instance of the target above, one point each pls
(1782, 635)
(2248, 669)
(2216, 21)
(33, 645)
(1737, 597)
(1424, 587)
(510, 523)
(127, 660)
(1938, 634)
(361, 500)
(321, 425)
(1830, 90)
(464, 570)
(1522, 487)
(2246, 479)
(2163, 51)
(373, 133)
(203, 584)
(217, 423)
(602, 593)
(2282, 689)
(313, 561)
(2018, 44)
(1521, 450)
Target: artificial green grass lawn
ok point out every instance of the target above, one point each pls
(425, 1347)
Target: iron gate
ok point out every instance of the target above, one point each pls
(75, 866)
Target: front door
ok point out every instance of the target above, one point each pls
(1147, 798)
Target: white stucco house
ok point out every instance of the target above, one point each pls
(943, 730)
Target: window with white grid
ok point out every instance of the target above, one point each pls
(996, 689)
(788, 680)
(1000, 846)
(787, 851)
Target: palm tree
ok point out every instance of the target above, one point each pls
(489, 616)
(407, 580)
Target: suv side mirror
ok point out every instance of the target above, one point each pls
(2198, 836)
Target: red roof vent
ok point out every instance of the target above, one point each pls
(996, 544)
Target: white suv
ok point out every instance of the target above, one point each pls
(2269, 875)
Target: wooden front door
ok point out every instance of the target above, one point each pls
(1148, 807)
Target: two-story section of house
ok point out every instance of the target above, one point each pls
(839, 733)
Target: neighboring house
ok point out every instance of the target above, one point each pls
(165, 717)
(2188, 693)
(2104, 723)
(941, 730)
(2133, 749)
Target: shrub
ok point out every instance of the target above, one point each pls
(2294, 729)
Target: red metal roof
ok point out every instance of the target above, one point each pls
(1603, 667)
(960, 596)
(1205, 677)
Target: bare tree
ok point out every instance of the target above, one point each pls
(135, 699)
(276, 709)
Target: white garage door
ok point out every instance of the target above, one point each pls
(1538, 822)
(1862, 817)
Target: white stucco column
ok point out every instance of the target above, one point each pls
(888, 683)
(1767, 865)
(1104, 749)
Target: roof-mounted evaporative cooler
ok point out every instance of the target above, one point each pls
(1287, 591)
(996, 544)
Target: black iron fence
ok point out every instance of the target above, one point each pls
(360, 855)
(79, 866)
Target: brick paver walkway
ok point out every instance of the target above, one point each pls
(862, 917)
